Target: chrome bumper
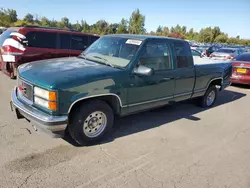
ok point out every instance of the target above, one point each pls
(53, 125)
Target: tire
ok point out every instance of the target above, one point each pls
(211, 92)
(90, 122)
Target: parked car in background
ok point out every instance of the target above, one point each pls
(202, 48)
(241, 69)
(19, 45)
(117, 75)
(194, 46)
(210, 50)
(226, 53)
(247, 48)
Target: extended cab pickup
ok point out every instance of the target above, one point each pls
(116, 76)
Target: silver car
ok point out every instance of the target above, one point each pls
(226, 53)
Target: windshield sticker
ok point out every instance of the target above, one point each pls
(134, 42)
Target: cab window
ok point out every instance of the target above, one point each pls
(183, 55)
(156, 56)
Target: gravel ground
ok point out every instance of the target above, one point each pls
(180, 146)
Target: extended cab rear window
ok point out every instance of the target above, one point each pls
(183, 55)
(39, 39)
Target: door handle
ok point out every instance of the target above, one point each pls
(166, 79)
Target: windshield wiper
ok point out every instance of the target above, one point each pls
(82, 56)
(105, 61)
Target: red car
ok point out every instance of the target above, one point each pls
(19, 45)
(241, 69)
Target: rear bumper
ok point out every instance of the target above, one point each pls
(52, 125)
(239, 79)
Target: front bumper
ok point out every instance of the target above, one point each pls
(55, 126)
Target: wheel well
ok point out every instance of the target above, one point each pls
(111, 100)
(216, 82)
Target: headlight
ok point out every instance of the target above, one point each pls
(45, 98)
(51, 105)
(48, 95)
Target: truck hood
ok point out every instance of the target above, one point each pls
(64, 72)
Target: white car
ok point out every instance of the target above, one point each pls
(225, 53)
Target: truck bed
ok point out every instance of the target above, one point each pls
(200, 61)
(204, 68)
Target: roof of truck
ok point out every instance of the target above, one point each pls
(142, 37)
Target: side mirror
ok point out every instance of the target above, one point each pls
(143, 71)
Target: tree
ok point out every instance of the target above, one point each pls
(222, 38)
(123, 26)
(53, 23)
(7, 17)
(206, 35)
(245, 42)
(77, 26)
(183, 30)
(176, 35)
(190, 34)
(152, 33)
(216, 32)
(233, 40)
(64, 23)
(101, 27)
(45, 22)
(137, 23)
(159, 30)
(4, 18)
(112, 28)
(12, 15)
(165, 31)
(21, 23)
(177, 29)
(85, 26)
(28, 18)
(172, 30)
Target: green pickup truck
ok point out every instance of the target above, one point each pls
(116, 76)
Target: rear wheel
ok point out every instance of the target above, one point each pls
(91, 122)
(209, 98)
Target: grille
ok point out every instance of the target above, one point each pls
(25, 91)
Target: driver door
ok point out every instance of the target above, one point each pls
(148, 91)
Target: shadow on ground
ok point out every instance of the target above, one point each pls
(242, 86)
(161, 116)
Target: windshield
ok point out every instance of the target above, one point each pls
(113, 51)
(224, 50)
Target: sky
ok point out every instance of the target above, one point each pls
(232, 16)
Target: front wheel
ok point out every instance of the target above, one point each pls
(91, 122)
(209, 98)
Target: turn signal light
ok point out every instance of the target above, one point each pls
(52, 106)
(52, 95)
